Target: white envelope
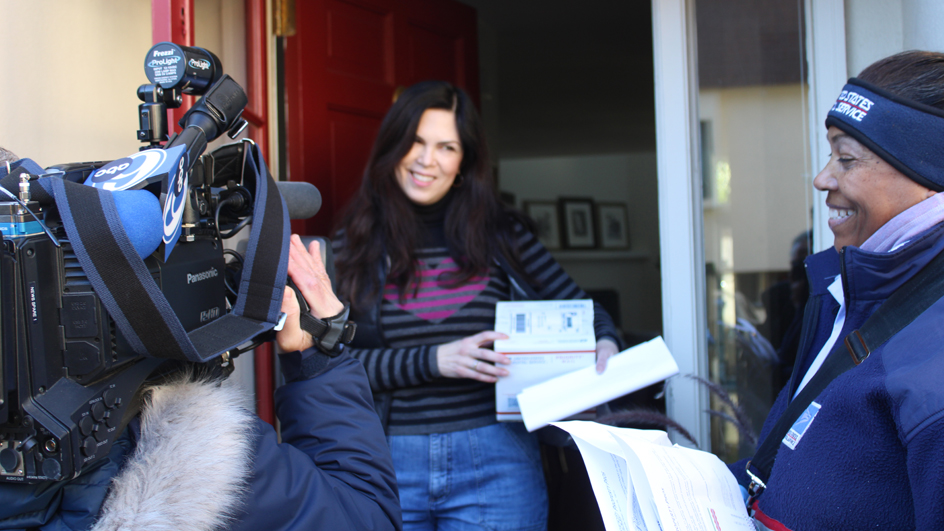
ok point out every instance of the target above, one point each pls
(571, 393)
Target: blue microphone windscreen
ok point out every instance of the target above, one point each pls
(140, 213)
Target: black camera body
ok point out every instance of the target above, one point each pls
(69, 379)
(74, 376)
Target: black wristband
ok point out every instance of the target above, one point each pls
(329, 334)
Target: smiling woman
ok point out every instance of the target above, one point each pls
(877, 428)
(864, 191)
(424, 253)
(429, 170)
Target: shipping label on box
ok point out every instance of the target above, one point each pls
(546, 339)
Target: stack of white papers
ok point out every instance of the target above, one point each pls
(642, 482)
(568, 394)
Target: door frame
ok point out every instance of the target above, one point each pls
(681, 221)
(827, 74)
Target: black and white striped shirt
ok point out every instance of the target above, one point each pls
(423, 401)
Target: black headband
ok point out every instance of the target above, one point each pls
(906, 134)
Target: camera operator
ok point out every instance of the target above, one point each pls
(196, 457)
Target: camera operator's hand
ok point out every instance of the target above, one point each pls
(307, 270)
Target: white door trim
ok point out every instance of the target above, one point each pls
(681, 238)
(826, 62)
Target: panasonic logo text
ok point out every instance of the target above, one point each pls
(209, 273)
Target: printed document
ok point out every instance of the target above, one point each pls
(643, 482)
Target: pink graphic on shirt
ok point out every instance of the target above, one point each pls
(433, 301)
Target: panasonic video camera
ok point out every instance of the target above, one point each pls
(69, 377)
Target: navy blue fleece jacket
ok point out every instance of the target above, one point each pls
(871, 458)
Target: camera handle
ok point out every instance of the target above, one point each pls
(219, 110)
(152, 114)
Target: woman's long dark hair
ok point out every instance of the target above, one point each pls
(381, 223)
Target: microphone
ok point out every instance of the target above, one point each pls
(302, 199)
(140, 214)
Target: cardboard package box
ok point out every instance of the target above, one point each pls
(546, 339)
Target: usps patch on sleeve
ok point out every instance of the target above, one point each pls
(792, 438)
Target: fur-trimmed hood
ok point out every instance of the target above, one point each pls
(197, 458)
(191, 463)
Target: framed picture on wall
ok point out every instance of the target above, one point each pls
(613, 225)
(577, 223)
(544, 214)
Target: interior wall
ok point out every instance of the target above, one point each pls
(568, 107)
(628, 178)
(559, 80)
(71, 73)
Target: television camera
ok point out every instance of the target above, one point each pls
(115, 273)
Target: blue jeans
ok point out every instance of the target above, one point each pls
(488, 478)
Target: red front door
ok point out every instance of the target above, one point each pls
(341, 71)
